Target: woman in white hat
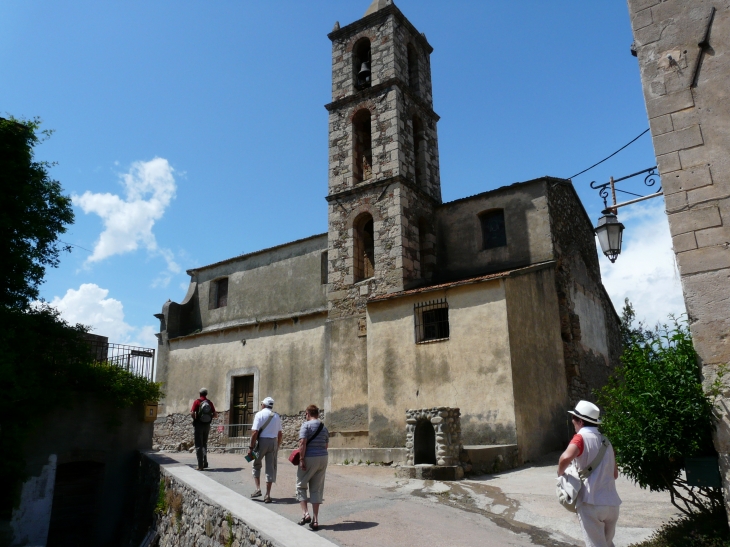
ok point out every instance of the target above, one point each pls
(598, 500)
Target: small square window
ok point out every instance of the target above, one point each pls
(493, 231)
(218, 296)
(432, 321)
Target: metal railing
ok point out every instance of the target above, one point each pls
(139, 361)
(235, 437)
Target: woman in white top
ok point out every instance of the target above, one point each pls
(598, 500)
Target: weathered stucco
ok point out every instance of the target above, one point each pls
(287, 357)
(470, 370)
(460, 250)
(538, 369)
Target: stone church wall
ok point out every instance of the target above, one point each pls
(588, 321)
(538, 367)
(460, 250)
(471, 370)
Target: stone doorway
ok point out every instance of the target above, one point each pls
(424, 443)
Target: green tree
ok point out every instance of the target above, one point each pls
(656, 412)
(44, 362)
(33, 212)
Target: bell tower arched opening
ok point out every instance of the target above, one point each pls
(363, 248)
(362, 153)
(361, 64)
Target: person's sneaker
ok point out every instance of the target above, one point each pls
(256, 494)
(199, 468)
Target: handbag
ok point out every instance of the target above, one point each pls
(569, 485)
(295, 456)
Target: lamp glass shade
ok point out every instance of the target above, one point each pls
(610, 233)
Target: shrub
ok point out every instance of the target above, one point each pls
(696, 530)
(657, 414)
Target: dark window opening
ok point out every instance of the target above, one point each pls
(423, 250)
(412, 68)
(361, 64)
(493, 230)
(419, 151)
(432, 320)
(362, 146)
(364, 248)
(424, 443)
(323, 267)
(218, 297)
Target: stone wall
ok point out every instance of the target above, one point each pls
(578, 276)
(174, 433)
(190, 521)
(685, 91)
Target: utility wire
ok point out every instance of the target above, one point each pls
(612, 155)
(74, 245)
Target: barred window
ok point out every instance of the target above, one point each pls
(432, 320)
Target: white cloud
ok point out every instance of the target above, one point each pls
(150, 187)
(90, 305)
(645, 272)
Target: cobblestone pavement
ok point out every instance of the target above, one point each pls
(367, 505)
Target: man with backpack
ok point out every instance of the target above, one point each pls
(266, 434)
(203, 413)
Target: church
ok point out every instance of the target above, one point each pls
(491, 304)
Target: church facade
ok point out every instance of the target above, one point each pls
(492, 304)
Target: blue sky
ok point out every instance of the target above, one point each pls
(196, 130)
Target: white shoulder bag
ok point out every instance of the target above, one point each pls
(571, 482)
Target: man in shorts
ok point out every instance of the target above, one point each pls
(266, 430)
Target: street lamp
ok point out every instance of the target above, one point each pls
(610, 232)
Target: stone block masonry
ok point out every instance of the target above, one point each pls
(195, 511)
(692, 154)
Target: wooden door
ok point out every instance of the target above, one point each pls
(243, 407)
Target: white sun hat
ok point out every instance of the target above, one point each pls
(588, 412)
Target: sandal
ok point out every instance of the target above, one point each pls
(256, 494)
(267, 499)
(304, 520)
(314, 525)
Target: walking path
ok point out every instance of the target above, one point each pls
(367, 505)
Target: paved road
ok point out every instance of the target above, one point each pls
(367, 505)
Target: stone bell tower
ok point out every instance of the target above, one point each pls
(383, 160)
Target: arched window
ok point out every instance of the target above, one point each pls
(361, 63)
(493, 230)
(363, 248)
(362, 155)
(419, 151)
(412, 68)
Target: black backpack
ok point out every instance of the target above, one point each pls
(205, 412)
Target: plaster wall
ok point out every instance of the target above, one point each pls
(688, 108)
(268, 284)
(538, 368)
(346, 401)
(470, 370)
(286, 359)
(460, 250)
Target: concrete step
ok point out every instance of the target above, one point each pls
(492, 458)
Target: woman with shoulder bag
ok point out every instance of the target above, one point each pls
(313, 442)
(597, 501)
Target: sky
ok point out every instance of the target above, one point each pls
(189, 132)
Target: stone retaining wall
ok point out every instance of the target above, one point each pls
(189, 521)
(174, 432)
